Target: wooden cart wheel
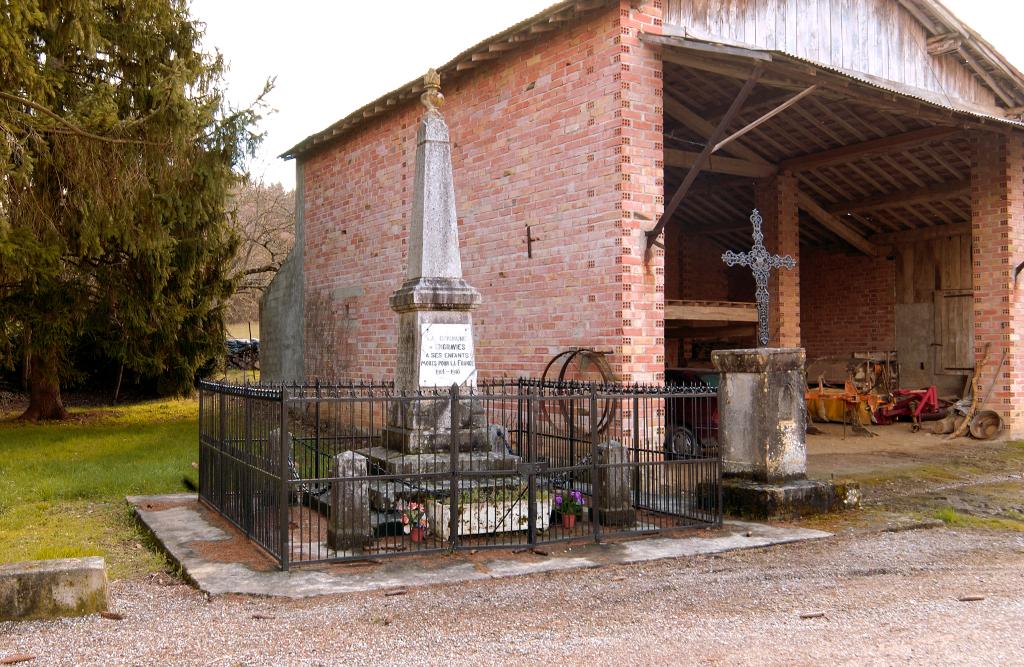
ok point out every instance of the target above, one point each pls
(582, 365)
(986, 425)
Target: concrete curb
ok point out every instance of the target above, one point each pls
(176, 528)
(53, 588)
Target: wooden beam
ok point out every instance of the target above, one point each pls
(949, 190)
(766, 117)
(940, 45)
(896, 142)
(835, 225)
(986, 77)
(485, 55)
(713, 231)
(502, 46)
(681, 113)
(719, 164)
(919, 15)
(918, 235)
(741, 312)
(733, 71)
(702, 159)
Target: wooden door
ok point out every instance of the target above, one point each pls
(954, 330)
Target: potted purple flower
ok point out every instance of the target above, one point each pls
(569, 505)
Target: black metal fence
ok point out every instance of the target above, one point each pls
(319, 472)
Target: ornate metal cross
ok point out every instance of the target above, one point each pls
(761, 263)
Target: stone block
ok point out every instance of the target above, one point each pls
(416, 464)
(497, 439)
(435, 441)
(762, 413)
(614, 504)
(349, 526)
(787, 500)
(52, 588)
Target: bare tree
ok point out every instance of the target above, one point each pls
(265, 220)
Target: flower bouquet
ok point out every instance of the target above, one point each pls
(414, 521)
(569, 505)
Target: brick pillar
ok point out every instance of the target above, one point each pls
(641, 175)
(776, 199)
(997, 235)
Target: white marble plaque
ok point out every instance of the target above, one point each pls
(446, 355)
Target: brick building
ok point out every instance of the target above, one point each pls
(880, 139)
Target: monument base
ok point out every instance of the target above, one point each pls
(763, 418)
(791, 499)
(421, 441)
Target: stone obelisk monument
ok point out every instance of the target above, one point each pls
(434, 304)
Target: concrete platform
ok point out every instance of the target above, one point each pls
(787, 500)
(191, 534)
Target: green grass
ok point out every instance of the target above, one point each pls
(62, 486)
(239, 376)
(951, 517)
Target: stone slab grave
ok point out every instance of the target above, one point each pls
(762, 437)
(181, 527)
(52, 588)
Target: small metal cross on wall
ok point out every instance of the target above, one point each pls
(761, 263)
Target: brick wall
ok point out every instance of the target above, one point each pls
(997, 210)
(563, 136)
(694, 270)
(848, 302)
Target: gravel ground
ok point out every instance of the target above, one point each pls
(886, 597)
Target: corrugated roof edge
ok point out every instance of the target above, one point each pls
(415, 87)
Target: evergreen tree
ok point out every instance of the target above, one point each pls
(117, 156)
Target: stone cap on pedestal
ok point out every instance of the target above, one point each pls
(759, 360)
(435, 294)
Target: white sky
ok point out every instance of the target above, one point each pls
(332, 57)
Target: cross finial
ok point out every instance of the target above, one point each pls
(432, 98)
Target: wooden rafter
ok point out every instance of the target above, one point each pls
(680, 112)
(871, 147)
(764, 118)
(702, 159)
(985, 76)
(925, 234)
(835, 225)
(719, 164)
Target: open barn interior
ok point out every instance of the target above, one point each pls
(883, 193)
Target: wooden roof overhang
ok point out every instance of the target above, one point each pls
(948, 35)
(874, 160)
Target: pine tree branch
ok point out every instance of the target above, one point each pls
(269, 268)
(71, 126)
